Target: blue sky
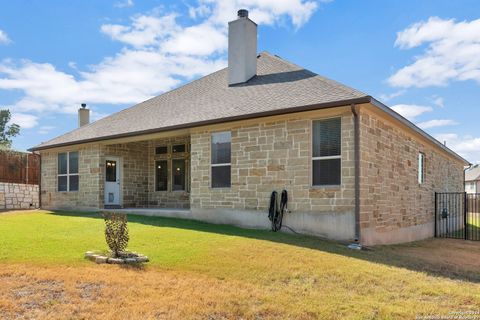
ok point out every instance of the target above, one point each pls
(420, 57)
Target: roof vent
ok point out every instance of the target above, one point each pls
(242, 13)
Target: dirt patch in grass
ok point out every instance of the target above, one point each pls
(111, 292)
(445, 257)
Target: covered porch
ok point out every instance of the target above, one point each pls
(147, 174)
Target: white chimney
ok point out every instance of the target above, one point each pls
(83, 115)
(242, 49)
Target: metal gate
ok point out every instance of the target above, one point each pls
(457, 215)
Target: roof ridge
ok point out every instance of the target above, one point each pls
(320, 77)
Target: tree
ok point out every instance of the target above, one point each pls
(7, 132)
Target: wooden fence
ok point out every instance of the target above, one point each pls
(19, 167)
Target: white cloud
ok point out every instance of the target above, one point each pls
(452, 54)
(45, 129)
(159, 54)
(24, 120)
(124, 4)
(438, 101)
(4, 39)
(386, 97)
(466, 146)
(145, 30)
(261, 11)
(437, 123)
(411, 111)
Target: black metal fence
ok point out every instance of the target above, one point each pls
(457, 215)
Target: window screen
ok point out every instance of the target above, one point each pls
(67, 168)
(221, 159)
(326, 152)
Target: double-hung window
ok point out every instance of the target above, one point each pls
(421, 168)
(221, 159)
(327, 152)
(68, 171)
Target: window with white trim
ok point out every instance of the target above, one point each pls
(221, 159)
(327, 152)
(421, 168)
(67, 177)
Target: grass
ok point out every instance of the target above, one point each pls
(205, 271)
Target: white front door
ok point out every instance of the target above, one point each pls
(112, 181)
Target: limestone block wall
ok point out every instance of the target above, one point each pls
(169, 198)
(273, 155)
(134, 176)
(394, 206)
(90, 193)
(18, 196)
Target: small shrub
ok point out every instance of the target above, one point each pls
(116, 232)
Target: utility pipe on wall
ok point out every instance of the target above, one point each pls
(356, 134)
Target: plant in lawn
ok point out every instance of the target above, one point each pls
(116, 232)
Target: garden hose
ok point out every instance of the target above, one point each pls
(276, 210)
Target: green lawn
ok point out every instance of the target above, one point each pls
(274, 275)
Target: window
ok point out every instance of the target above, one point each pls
(221, 159)
(178, 174)
(327, 152)
(111, 171)
(178, 148)
(161, 175)
(421, 168)
(161, 150)
(68, 179)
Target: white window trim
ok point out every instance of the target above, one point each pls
(226, 164)
(221, 164)
(68, 174)
(421, 168)
(326, 157)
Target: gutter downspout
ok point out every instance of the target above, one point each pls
(464, 182)
(356, 134)
(40, 182)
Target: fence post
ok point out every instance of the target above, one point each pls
(435, 216)
(465, 215)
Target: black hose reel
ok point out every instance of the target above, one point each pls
(276, 209)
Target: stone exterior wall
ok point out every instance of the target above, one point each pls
(137, 177)
(90, 193)
(394, 206)
(134, 174)
(272, 155)
(18, 196)
(169, 198)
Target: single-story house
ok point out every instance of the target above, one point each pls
(214, 150)
(472, 179)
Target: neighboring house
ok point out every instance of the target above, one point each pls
(472, 179)
(216, 148)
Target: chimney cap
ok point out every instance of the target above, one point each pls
(242, 13)
(84, 105)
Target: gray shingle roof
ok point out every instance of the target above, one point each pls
(279, 86)
(473, 174)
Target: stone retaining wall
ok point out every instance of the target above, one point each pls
(18, 196)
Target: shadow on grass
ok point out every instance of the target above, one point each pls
(387, 255)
